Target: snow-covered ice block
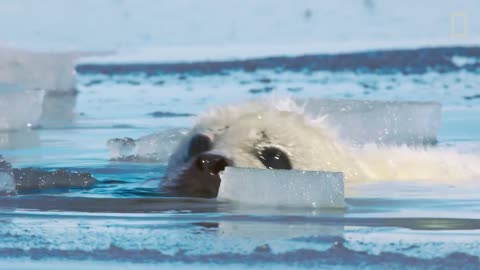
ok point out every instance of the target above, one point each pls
(45, 70)
(58, 109)
(288, 188)
(52, 71)
(20, 109)
(383, 122)
(155, 147)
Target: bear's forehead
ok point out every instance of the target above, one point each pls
(254, 128)
(246, 132)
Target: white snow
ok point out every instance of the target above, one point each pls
(462, 61)
(288, 188)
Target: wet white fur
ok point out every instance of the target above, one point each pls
(311, 145)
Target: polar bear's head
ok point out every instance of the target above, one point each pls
(273, 134)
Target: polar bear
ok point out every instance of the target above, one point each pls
(277, 134)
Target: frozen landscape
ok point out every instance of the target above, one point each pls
(69, 89)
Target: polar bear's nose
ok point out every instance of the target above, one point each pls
(211, 163)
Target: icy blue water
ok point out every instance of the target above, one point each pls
(125, 218)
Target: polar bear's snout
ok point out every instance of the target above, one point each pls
(211, 163)
(203, 174)
(200, 177)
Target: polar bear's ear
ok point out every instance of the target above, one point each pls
(199, 143)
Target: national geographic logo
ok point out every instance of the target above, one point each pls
(459, 25)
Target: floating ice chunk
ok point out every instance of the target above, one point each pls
(289, 188)
(461, 61)
(20, 109)
(37, 70)
(51, 72)
(35, 179)
(58, 109)
(155, 147)
(26, 179)
(44, 70)
(22, 72)
(384, 122)
(121, 148)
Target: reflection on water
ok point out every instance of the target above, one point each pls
(21, 139)
(188, 230)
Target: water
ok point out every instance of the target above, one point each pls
(126, 219)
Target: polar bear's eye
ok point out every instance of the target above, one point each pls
(198, 144)
(274, 158)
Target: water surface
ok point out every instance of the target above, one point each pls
(126, 218)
